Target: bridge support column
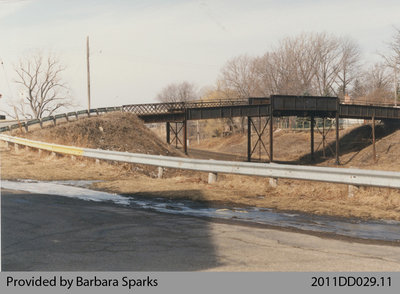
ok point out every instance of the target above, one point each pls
(176, 135)
(185, 136)
(373, 139)
(179, 134)
(168, 132)
(337, 137)
(312, 137)
(271, 134)
(259, 132)
(248, 138)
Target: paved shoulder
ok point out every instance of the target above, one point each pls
(51, 233)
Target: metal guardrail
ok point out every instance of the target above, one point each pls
(355, 177)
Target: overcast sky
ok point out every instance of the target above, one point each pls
(138, 47)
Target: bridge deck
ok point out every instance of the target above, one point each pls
(281, 105)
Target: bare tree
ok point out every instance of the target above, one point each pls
(349, 65)
(392, 60)
(359, 89)
(306, 64)
(328, 64)
(373, 85)
(290, 68)
(239, 77)
(175, 92)
(377, 83)
(42, 90)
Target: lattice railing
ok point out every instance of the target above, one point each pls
(159, 108)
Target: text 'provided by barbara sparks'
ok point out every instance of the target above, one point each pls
(79, 282)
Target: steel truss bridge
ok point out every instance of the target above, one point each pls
(311, 107)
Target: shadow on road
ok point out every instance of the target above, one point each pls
(55, 233)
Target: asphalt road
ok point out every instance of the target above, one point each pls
(54, 233)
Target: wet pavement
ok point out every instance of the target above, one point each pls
(42, 232)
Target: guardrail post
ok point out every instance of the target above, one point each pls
(16, 147)
(160, 172)
(212, 178)
(352, 190)
(54, 121)
(273, 182)
(40, 152)
(41, 123)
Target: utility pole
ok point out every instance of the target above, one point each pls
(395, 83)
(88, 72)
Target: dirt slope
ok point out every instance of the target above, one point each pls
(294, 147)
(387, 155)
(113, 131)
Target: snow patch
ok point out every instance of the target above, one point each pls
(63, 190)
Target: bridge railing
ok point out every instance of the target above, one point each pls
(168, 107)
(30, 122)
(366, 102)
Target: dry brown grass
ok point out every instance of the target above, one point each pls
(309, 197)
